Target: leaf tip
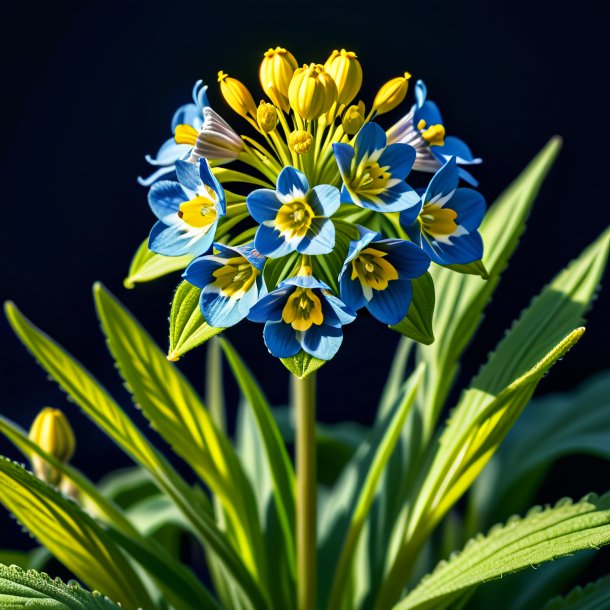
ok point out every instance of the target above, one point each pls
(173, 355)
(129, 283)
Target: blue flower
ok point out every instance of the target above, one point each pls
(188, 210)
(293, 217)
(231, 283)
(373, 174)
(423, 129)
(446, 227)
(377, 275)
(186, 123)
(301, 313)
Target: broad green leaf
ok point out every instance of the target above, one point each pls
(280, 466)
(147, 265)
(276, 270)
(542, 535)
(21, 589)
(552, 427)
(187, 328)
(594, 596)
(83, 389)
(373, 469)
(464, 297)
(70, 535)
(171, 405)
(302, 364)
(417, 324)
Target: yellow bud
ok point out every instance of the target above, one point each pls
(312, 91)
(300, 141)
(391, 94)
(236, 94)
(52, 432)
(275, 73)
(266, 115)
(353, 119)
(346, 71)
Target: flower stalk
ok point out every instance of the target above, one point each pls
(304, 405)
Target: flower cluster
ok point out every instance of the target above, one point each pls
(321, 222)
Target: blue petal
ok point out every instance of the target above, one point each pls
(169, 153)
(399, 158)
(188, 175)
(263, 205)
(291, 184)
(323, 341)
(346, 196)
(280, 339)
(179, 239)
(444, 181)
(421, 91)
(413, 231)
(344, 155)
(454, 147)
(324, 200)
(344, 313)
(185, 115)
(222, 311)
(270, 242)
(199, 272)
(304, 281)
(208, 178)
(167, 172)
(370, 142)
(164, 199)
(270, 306)
(366, 237)
(470, 207)
(430, 113)
(320, 238)
(461, 251)
(351, 292)
(390, 306)
(409, 260)
(396, 199)
(249, 252)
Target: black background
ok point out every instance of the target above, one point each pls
(89, 88)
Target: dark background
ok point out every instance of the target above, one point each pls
(90, 87)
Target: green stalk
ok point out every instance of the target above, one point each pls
(304, 404)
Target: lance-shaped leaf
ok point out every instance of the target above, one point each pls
(146, 265)
(594, 596)
(171, 405)
(543, 535)
(187, 328)
(417, 324)
(31, 589)
(70, 535)
(95, 401)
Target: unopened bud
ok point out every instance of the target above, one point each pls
(312, 91)
(266, 116)
(275, 73)
(52, 432)
(346, 71)
(353, 119)
(236, 94)
(300, 142)
(391, 94)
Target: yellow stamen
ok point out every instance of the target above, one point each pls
(199, 212)
(294, 219)
(373, 271)
(185, 134)
(437, 220)
(371, 178)
(235, 278)
(434, 135)
(303, 309)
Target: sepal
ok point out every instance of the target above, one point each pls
(302, 364)
(417, 324)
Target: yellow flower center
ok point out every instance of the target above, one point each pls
(199, 212)
(235, 278)
(434, 135)
(371, 178)
(437, 220)
(294, 219)
(303, 309)
(373, 271)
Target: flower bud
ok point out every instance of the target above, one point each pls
(312, 91)
(237, 95)
(346, 71)
(266, 116)
(353, 119)
(217, 140)
(300, 142)
(52, 432)
(275, 73)
(391, 94)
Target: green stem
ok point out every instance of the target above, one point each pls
(304, 404)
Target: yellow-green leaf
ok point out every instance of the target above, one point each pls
(417, 324)
(147, 265)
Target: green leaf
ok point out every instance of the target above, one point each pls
(276, 270)
(543, 535)
(147, 265)
(187, 328)
(70, 535)
(83, 389)
(302, 364)
(171, 405)
(21, 589)
(280, 466)
(417, 324)
(594, 596)
(476, 268)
